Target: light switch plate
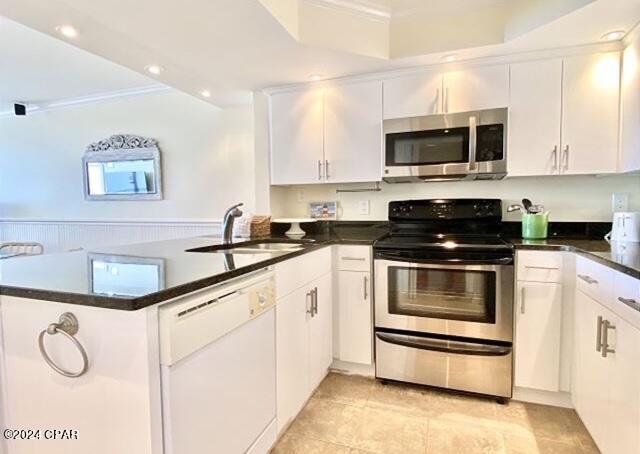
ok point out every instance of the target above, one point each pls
(364, 207)
(620, 201)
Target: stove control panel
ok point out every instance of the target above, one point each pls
(446, 209)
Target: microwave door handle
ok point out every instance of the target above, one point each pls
(473, 141)
(444, 346)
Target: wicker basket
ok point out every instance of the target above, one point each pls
(260, 226)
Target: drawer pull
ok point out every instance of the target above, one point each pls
(535, 267)
(606, 326)
(630, 302)
(357, 259)
(589, 280)
(599, 334)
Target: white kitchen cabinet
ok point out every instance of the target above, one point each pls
(355, 317)
(590, 109)
(630, 108)
(297, 141)
(484, 87)
(353, 132)
(606, 390)
(413, 96)
(320, 332)
(538, 335)
(535, 118)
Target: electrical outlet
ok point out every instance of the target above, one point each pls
(620, 201)
(364, 207)
(300, 195)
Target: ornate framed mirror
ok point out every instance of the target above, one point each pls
(122, 167)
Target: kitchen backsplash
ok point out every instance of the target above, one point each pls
(570, 198)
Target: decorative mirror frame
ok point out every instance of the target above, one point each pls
(123, 147)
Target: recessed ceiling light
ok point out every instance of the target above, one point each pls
(315, 77)
(67, 30)
(153, 69)
(613, 36)
(450, 57)
(205, 93)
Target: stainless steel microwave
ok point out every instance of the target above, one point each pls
(460, 146)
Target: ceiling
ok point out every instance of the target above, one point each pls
(38, 69)
(231, 47)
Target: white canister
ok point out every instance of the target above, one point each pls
(626, 226)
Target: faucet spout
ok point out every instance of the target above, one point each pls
(227, 225)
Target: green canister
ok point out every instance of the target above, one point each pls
(534, 226)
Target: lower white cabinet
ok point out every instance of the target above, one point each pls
(606, 383)
(538, 335)
(354, 317)
(303, 345)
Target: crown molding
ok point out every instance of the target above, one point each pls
(362, 8)
(89, 99)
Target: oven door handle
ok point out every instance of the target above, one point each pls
(444, 346)
(401, 258)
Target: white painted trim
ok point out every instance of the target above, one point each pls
(345, 367)
(535, 396)
(131, 222)
(90, 99)
(499, 59)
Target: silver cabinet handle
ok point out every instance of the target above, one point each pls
(358, 259)
(365, 290)
(315, 301)
(588, 279)
(533, 267)
(606, 325)
(67, 326)
(326, 169)
(599, 334)
(554, 155)
(522, 296)
(566, 157)
(310, 306)
(319, 169)
(630, 302)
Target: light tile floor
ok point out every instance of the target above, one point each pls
(357, 415)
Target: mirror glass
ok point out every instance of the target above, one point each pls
(121, 177)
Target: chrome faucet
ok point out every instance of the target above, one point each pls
(227, 225)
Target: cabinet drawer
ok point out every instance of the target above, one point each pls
(594, 280)
(353, 258)
(626, 298)
(540, 266)
(299, 271)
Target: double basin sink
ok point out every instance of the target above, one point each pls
(252, 247)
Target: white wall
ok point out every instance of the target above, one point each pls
(569, 198)
(207, 153)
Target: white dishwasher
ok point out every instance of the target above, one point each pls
(217, 356)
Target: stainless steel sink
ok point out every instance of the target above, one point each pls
(255, 248)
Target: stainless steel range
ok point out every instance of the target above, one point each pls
(444, 296)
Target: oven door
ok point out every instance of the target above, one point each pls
(454, 299)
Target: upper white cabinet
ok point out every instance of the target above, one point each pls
(413, 96)
(353, 132)
(430, 93)
(297, 142)
(590, 106)
(535, 118)
(630, 108)
(563, 116)
(327, 135)
(484, 87)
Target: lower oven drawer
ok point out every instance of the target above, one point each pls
(464, 366)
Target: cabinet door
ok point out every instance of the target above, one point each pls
(354, 319)
(297, 141)
(623, 367)
(353, 132)
(292, 355)
(320, 332)
(591, 88)
(476, 88)
(590, 378)
(538, 322)
(630, 109)
(534, 117)
(413, 96)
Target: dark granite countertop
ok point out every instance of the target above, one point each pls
(621, 257)
(163, 270)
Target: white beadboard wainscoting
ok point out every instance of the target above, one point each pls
(61, 236)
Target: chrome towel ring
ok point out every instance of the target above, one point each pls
(68, 326)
